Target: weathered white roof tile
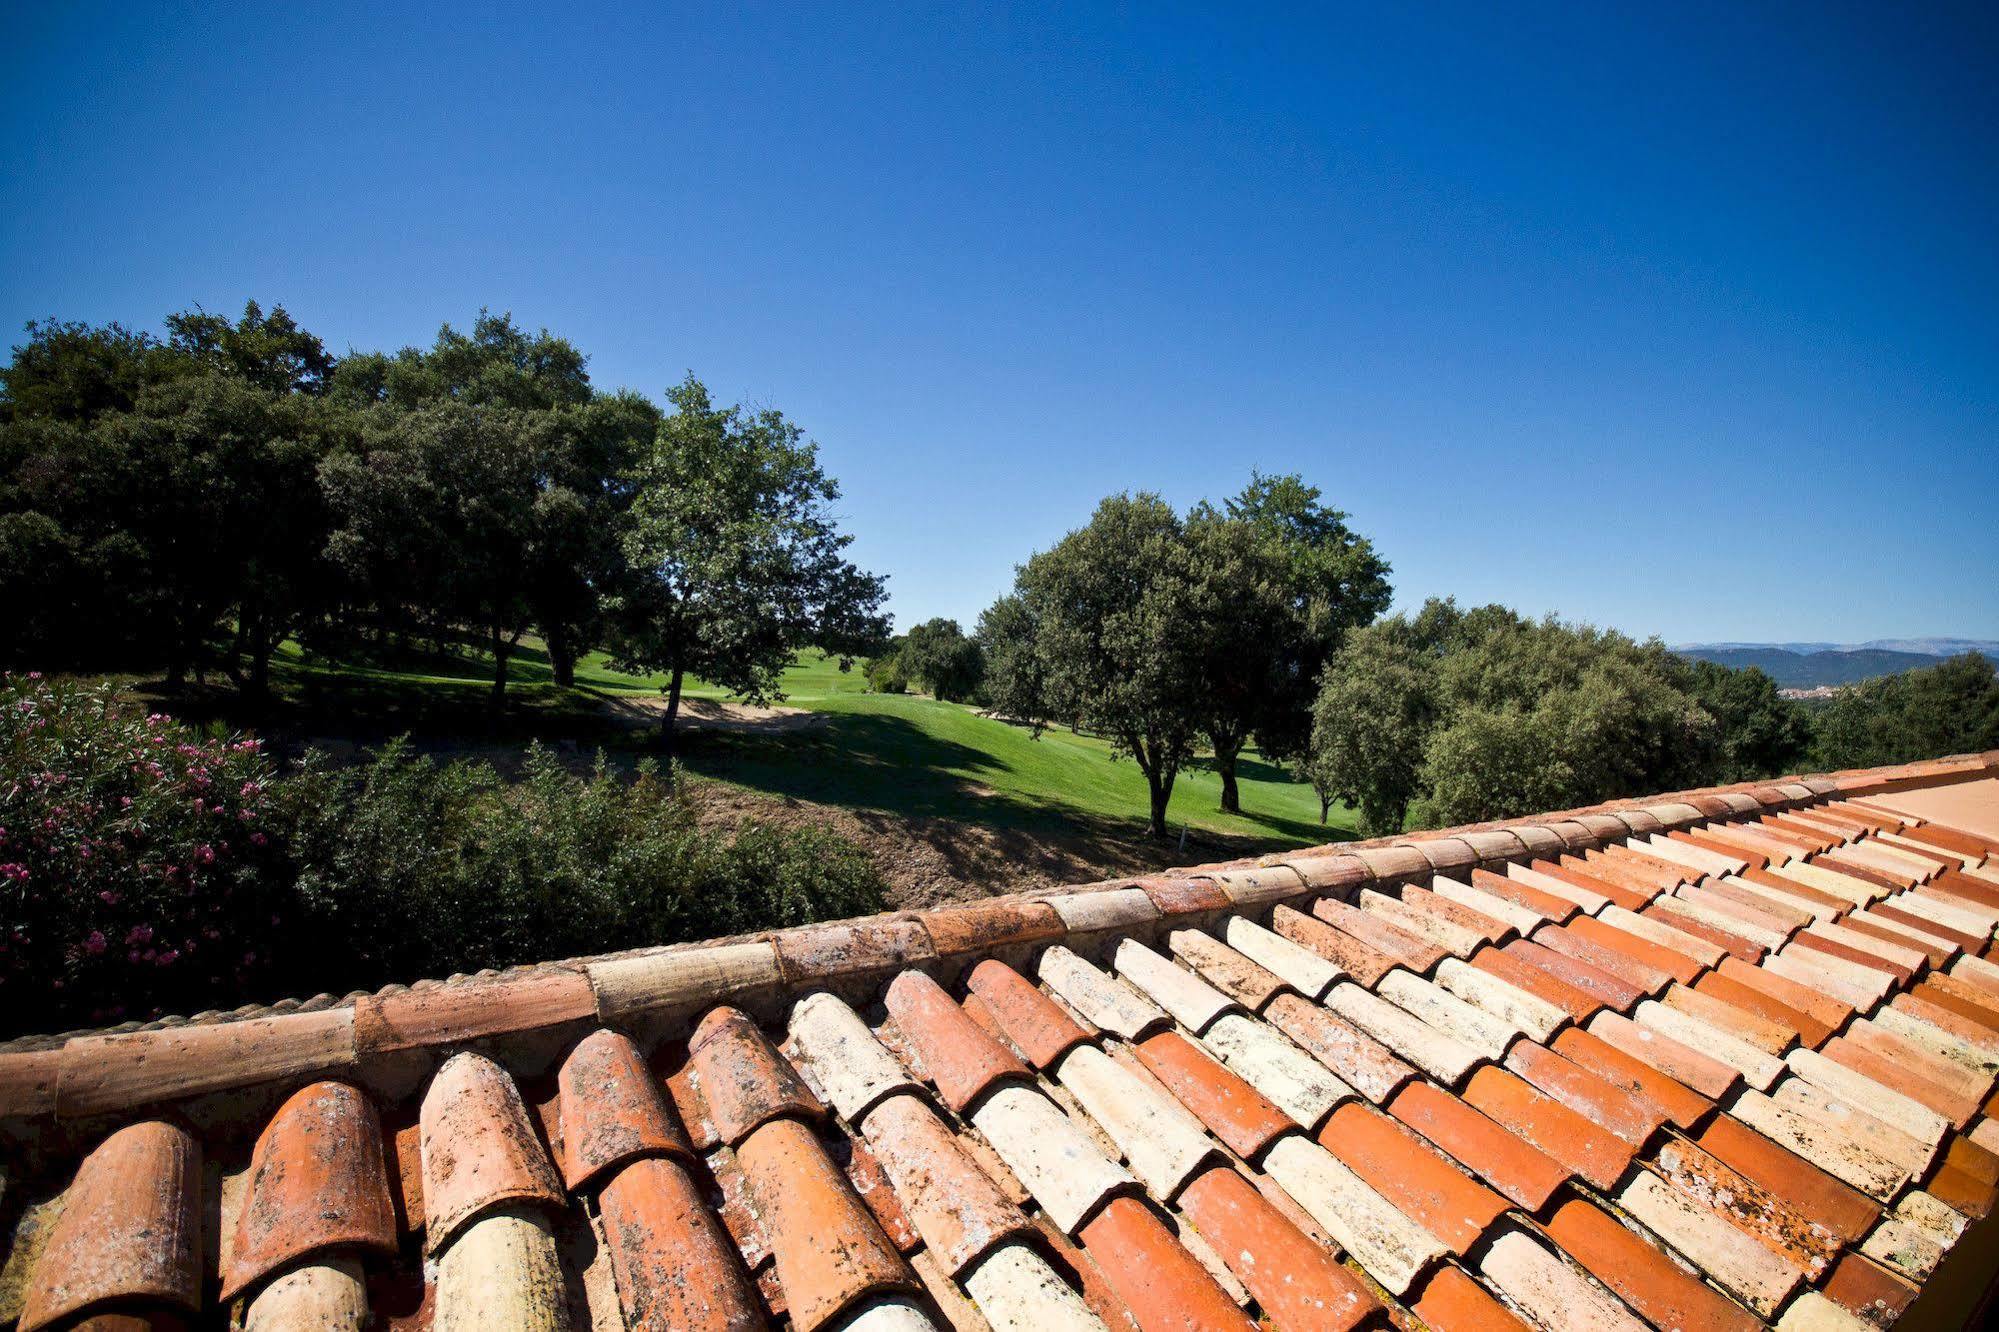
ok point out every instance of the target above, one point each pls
(1754, 1273)
(1884, 1103)
(851, 1068)
(1485, 1032)
(1017, 1291)
(1106, 1001)
(1553, 1293)
(1758, 1068)
(1162, 1143)
(1296, 965)
(1491, 904)
(1392, 1247)
(1823, 1144)
(1051, 1157)
(1192, 1001)
(1292, 1080)
(1509, 1003)
(1442, 1056)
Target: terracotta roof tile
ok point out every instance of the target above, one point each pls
(1160, 1141)
(1578, 1005)
(1490, 905)
(1646, 1278)
(1102, 999)
(317, 1182)
(740, 1079)
(1553, 1293)
(959, 1212)
(479, 1150)
(674, 1265)
(1749, 999)
(1299, 967)
(1408, 949)
(1627, 937)
(1193, 1002)
(1061, 1166)
(1238, 1114)
(1455, 1302)
(1574, 889)
(1890, 911)
(1907, 1074)
(830, 1252)
(1826, 1009)
(960, 1057)
(1390, 1246)
(1489, 928)
(1679, 914)
(1223, 967)
(844, 1060)
(1605, 878)
(1809, 1191)
(1162, 1284)
(1440, 1054)
(452, 1014)
(1413, 918)
(1769, 1036)
(1362, 961)
(1524, 895)
(1361, 1062)
(130, 1229)
(1706, 841)
(1495, 1154)
(1297, 1282)
(818, 953)
(1938, 951)
(1683, 1106)
(1295, 1082)
(1708, 1180)
(1566, 940)
(1600, 987)
(1410, 1173)
(1869, 1290)
(612, 1110)
(1593, 1153)
(979, 927)
(1630, 1115)
(1035, 1024)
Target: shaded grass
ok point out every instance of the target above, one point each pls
(906, 755)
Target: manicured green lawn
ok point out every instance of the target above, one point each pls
(901, 754)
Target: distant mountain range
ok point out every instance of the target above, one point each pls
(1809, 665)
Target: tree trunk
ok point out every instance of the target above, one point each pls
(1325, 808)
(562, 657)
(672, 709)
(1162, 791)
(501, 649)
(1226, 750)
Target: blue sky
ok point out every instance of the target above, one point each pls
(1684, 324)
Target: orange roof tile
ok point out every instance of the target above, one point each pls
(1850, 980)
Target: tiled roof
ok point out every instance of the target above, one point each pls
(1717, 1060)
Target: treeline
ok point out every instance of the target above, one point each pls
(1256, 623)
(190, 502)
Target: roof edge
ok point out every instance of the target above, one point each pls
(395, 1034)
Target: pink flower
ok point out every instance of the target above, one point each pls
(258, 839)
(95, 943)
(205, 854)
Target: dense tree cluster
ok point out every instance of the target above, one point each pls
(191, 502)
(1161, 631)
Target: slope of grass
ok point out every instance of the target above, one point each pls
(899, 754)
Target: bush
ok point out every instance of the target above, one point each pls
(138, 864)
(146, 869)
(886, 675)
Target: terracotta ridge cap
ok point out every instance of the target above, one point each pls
(118, 1070)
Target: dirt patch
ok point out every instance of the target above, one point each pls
(928, 861)
(709, 714)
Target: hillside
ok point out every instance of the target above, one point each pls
(1793, 668)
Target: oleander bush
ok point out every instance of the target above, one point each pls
(148, 868)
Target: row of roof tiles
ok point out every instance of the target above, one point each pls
(1709, 1077)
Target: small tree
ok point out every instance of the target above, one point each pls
(948, 664)
(1114, 608)
(734, 558)
(1370, 724)
(1015, 685)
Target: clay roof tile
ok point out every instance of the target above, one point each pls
(960, 1057)
(1035, 1023)
(317, 1182)
(130, 1229)
(741, 1080)
(612, 1110)
(479, 1150)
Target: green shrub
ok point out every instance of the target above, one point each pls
(887, 676)
(144, 869)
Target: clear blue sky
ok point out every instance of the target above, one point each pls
(1680, 324)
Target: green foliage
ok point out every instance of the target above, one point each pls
(937, 654)
(1949, 708)
(1015, 685)
(1456, 716)
(1117, 636)
(1760, 732)
(885, 672)
(733, 558)
(145, 868)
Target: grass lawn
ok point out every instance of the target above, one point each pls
(901, 754)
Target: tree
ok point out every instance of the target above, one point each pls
(1761, 733)
(68, 371)
(1113, 605)
(734, 559)
(1370, 723)
(947, 663)
(1279, 581)
(1015, 685)
(1949, 708)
